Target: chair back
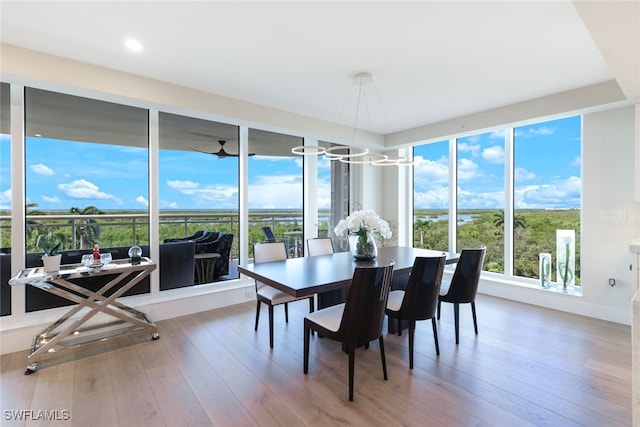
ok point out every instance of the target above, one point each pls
(267, 252)
(268, 234)
(364, 309)
(464, 283)
(320, 246)
(421, 295)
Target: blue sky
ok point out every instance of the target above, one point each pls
(64, 174)
(547, 169)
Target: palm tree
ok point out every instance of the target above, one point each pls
(518, 220)
(87, 230)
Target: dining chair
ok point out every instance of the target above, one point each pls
(420, 298)
(358, 320)
(463, 286)
(268, 252)
(268, 234)
(320, 246)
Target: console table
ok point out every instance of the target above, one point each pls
(71, 332)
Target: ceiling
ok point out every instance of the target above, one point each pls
(431, 61)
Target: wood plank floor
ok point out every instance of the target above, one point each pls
(528, 367)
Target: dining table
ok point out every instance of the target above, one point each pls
(323, 274)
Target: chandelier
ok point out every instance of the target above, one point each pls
(352, 154)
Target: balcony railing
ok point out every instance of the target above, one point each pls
(112, 230)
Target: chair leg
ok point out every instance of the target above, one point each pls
(270, 325)
(286, 312)
(456, 320)
(412, 330)
(382, 358)
(307, 332)
(435, 336)
(257, 315)
(438, 309)
(311, 307)
(351, 350)
(399, 325)
(473, 313)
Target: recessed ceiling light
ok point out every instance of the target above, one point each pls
(37, 134)
(133, 45)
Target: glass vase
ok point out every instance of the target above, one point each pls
(363, 247)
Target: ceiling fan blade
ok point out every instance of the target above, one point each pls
(200, 151)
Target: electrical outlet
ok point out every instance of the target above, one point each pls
(612, 282)
(248, 294)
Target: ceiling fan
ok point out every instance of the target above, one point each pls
(221, 153)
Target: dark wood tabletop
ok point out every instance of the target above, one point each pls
(306, 276)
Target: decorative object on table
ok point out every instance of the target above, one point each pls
(50, 242)
(96, 252)
(545, 270)
(135, 253)
(565, 256)
(364, 226)
(106, 258)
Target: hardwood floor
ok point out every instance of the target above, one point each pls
(527, 367)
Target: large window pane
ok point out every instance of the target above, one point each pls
(275, 190)
(86, 177)
(480, 196)
(431, 196)
(5, 200)
(199, 192)
(333, 198)
(547, 192)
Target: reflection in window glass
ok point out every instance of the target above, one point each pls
(5, 198)
(275, 190)
(431, 196)
(480, 196)
(198, 186)
(333, 198)
(547, 192)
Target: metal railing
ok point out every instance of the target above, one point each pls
(133, 228)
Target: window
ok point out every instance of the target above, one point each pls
(86, 176)
(275, 190)
(5, 199)
(198, 188)
(333, 198)
(431, 196)
(547, 192)
(480, 196)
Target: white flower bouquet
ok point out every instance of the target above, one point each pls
(363, 223)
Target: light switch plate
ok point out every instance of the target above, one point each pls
(619, 216)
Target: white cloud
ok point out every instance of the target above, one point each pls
(182, 185)
(468, 170)
(493, 154)
(531, 132)
(521, 175)
(464, 147)
(576, 162)
(41, 169)
(53, 199)
(562, 194)
(428, 172)
(83, 189)
(5, 199)
(435, 198)
(142, 201)
(279, 179)
(497, 134)
(168, 205)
